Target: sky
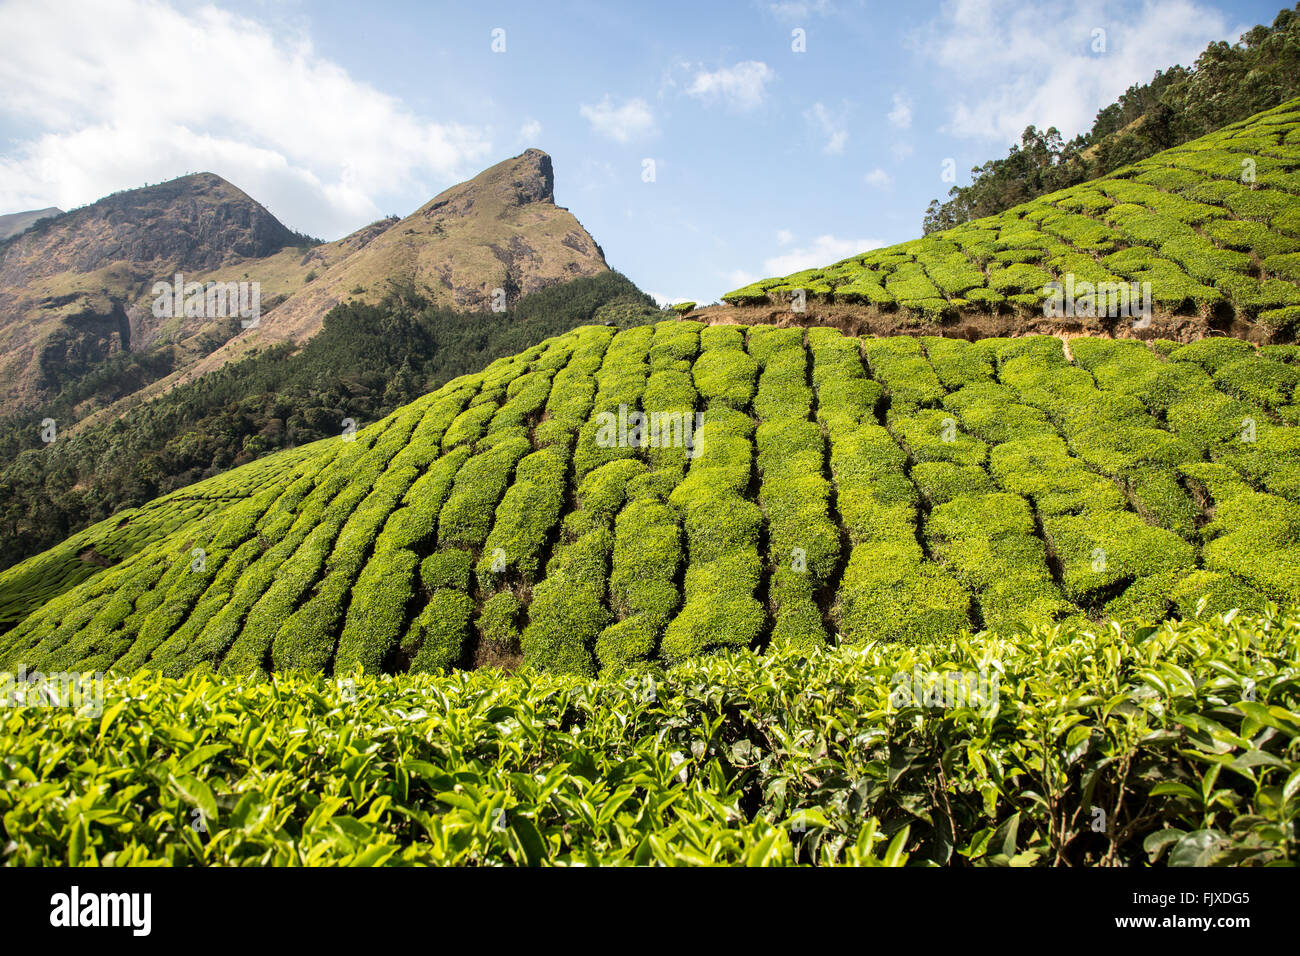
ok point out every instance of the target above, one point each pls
(702, 145)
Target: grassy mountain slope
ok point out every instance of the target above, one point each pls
(1213, 226)
(898, 488)
(1227, 83)
(85, 554)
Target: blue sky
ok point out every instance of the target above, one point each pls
(766, 159)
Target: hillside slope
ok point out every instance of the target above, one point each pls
(1213, 226)
(499, 230)
(15, 222)
(1227, 83)
(366, 362)
(899, 489)
(76, 289)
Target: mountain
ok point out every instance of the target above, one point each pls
(16, 222)
(76, 289)
(411, 304)
(1211, 230)
(499, 230)
(789, 485)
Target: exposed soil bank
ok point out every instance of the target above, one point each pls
(853, 319)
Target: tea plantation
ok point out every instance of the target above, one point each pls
(1213, 226)
(836, 490)
(1185, 739)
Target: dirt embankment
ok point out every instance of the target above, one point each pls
(853, 319)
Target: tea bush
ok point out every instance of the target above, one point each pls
(1185, 735)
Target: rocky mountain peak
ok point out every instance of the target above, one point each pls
(519, 181)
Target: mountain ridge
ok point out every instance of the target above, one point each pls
(75, 289)
(498, 229)
(11, 224)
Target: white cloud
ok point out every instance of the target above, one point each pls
(739, 277)
(901, 151)
(530, 132)
(901, 115)
(741, 87)
(878, 178)
(784, 236)
(123, 92)
(832, 127)
(1010, 64)
(623, 124)
(823, 251)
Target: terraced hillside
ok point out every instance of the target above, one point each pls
(1213, 226)
(901, 488)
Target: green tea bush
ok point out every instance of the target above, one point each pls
(988, 542)
(499, 620)
(1270, 384)
(933, 435)
(436, 638)
(448, 569)
(1104, 553)
(795, 497)
(568, 612)
(991, 412)
(1042, 470)
(889, 592)
(376, 618)
(1255, 537)
(899, 363)
(647, 556)
(749, 769)
(956, 362)
(528, 511)
(724, 373)
(466, 518)
(1212, 353)
(940, 481)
